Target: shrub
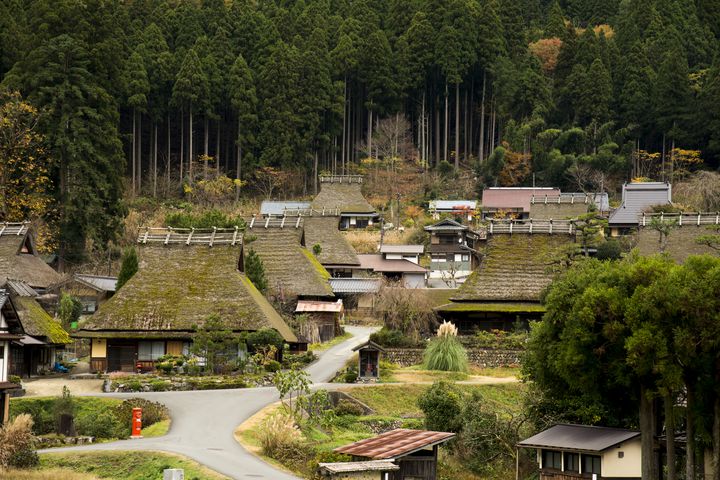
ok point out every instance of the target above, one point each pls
(278, 435)
(306, 358)
(346, 407)
(14, 379)
(445, 352)
(208, 219)
(159, 386)
(152, 412)
(17, 444)
(273, 366)
(41, 411)
(609, 250)
(100, 425)
(499, 339)
(442, 405)
(350, 376)
(387, 337)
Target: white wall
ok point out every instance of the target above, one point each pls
(414, 280)
(627, 467)
(5, 354)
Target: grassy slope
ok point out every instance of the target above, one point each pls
(321, 347)
(50, 474)
(127, 465)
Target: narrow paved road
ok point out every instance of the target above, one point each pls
(203, 421)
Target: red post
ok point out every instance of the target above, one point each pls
(136, 423)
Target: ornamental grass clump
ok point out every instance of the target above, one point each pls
(445, 352)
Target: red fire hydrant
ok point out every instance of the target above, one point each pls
(136, 423)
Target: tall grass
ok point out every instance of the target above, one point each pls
(445, 352)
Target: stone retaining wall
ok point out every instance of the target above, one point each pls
(482, 357)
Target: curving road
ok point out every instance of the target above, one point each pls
(203, 422)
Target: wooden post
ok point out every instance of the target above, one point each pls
(4, 407)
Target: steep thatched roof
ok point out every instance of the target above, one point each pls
(516, 268)
(35, 320)
(347, 197)
(179, 286)
(19, 260)
(335, 248)
(287, 264)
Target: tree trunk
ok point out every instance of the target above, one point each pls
(469, 122)
(369, 133)
(670, 436)
(481, 145)
(238, 164)
(445, 127)
(139, 155)
(155, 151)
(422, 139)
(217, 148)
(206, 151)
(647, 436)
(182, 143)
(190, 148)
(344, 126)
(315, 173)
(690, 452)
(457, 126)
(167, 160)
(437, 130)
(134, 151)
(715, 439)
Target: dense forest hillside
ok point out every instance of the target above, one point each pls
(166, 92)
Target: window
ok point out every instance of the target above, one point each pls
(572, 462)
(447, 239)
(591, 464)
(2, 350)
(551, 459)
(150, 351)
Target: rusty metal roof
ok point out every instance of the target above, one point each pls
(317, 306)
(395, 444)
(513, 197)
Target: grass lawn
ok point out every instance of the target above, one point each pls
(50, 474)
(321, 347)
(156, 429)
(124, 465)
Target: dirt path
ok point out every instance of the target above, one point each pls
(44, 387)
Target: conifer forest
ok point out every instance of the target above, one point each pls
(142, 97)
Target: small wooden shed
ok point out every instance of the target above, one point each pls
(414, 451)
(369, 359)
(369, 470)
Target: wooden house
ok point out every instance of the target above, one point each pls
(411, 253)
(414, 451)
(19, 259)
(10, 331)
(567, 205)
(460, 210)
(91, 290)
(368, 470)
(324, 319)
(637, 197)
(342, 194)
(37, 350)
(292, 270)
(511, 202)
(357, 293)
(567, 452)
(336, 254)
(452, 250)
(504, 290)
(405, 272)
(184, 277)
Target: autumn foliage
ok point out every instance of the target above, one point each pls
(547, 50)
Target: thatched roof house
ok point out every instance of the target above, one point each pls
(336, 251)
(341, 195)
(507, 285)
(183, 278)
(291, 269)
(19, 259)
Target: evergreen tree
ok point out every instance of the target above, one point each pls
(673, 97)
(709, 105)
(244, 101)
(596, 94)
(555, 24)
(128, 267)
(255, 270)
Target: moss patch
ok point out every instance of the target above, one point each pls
(37, 322)
(492, 307)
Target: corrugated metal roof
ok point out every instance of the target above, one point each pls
(349, 467)
(411, 249)
(579, 437)
(355, 285)
(446, 224)
(450, 205)
(395, 444)
(277, 208)
(638, 197)
(4, 295)
(106, 284)
(514, 197)
(377, 263)
(318, 306)
(21, 288)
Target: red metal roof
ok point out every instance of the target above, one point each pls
(317, 306)
(513, 197)
(376, 263)
(395, 443)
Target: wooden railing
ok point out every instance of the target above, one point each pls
(16, 228)
(274, 222)
(312, 212)
(570, 198)
(531, 226)
(682, 218)
(190, 236)
(341, 179)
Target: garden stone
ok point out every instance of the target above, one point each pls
(173, 474)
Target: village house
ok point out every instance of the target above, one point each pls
(503, 292)
(38, 349)
(324, 319)
(581, 451)
(411, 253)
(462, 210)
(451, 250)
(414, 451)
(359, 294)
(405, 272)
(637, 197)
(368, 470)
(279, 208)
(184, 277)
(341, 195)
(19, 259)
(335, 252)
(91, 290)
(680, 241)
(10, 330)
(512, 202)
(567, 205)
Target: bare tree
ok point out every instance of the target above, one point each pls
(392, 138)
(700, 191)
(449, 276)
(407, 310)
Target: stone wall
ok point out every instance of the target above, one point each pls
(482, 357)
(680, 243)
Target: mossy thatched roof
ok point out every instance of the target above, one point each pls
(491, 307)
(515, 268)
(336, 250)
(37, 322)
(178, 287)
(28, 267)
(347, 197)
(287, 264)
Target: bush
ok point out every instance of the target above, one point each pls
(208, 219)
(346, 407)
(101, 425)
(498, 339)
(152, 412)
(393, 338)
(442, 405)
(41, 411)
(18, 443)
(306, 358)
(350, 376)
(159, 386)
(273, 366)
(447, 354)
(264, 337)
(14, 379)
(609, 250)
